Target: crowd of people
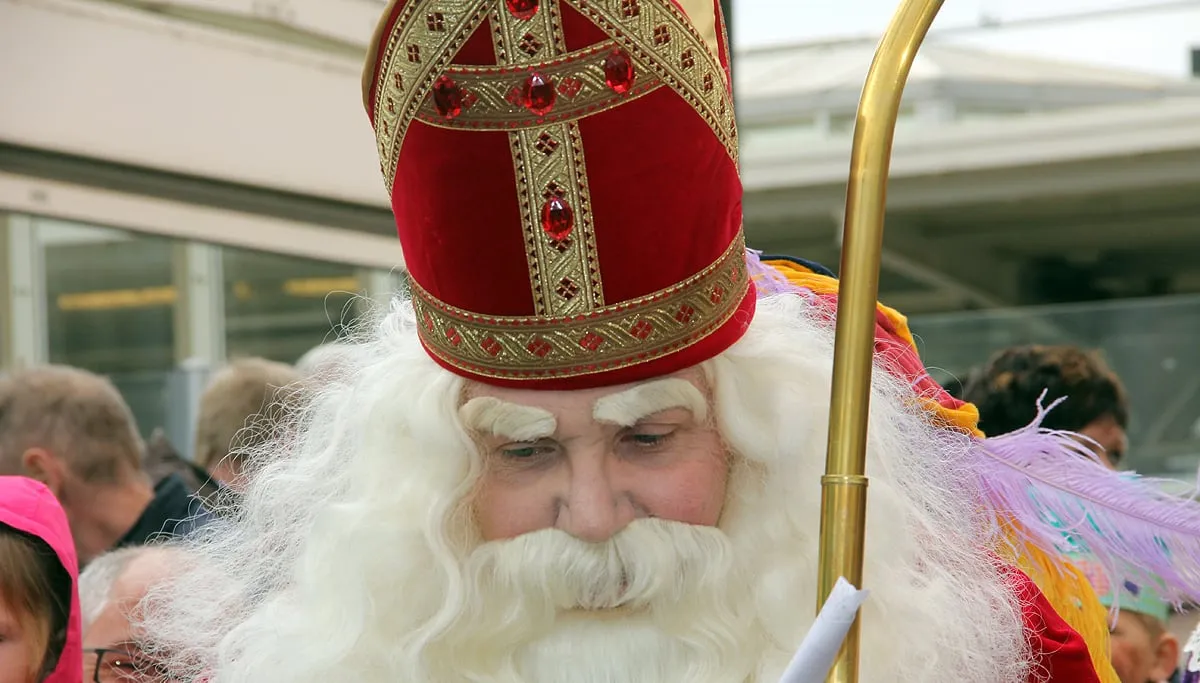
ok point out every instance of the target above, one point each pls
(81, 490)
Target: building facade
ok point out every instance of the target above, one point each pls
(189, 181)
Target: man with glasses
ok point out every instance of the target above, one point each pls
(110, 589)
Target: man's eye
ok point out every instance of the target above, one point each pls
(649, 439)
(524, 452)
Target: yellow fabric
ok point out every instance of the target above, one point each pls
(1063, 585)
(964, 418)
(1073, 598)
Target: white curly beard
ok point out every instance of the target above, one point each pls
(660, 599)
(356, 559)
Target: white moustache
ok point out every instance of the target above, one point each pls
(651, 561)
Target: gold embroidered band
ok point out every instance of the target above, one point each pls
(676, 52)
(655, 39)
(492, 94)
(607, 338)
(423, 41)
(551, 174)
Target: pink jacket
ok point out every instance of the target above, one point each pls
(28, 506)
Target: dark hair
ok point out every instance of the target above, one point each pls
(38, 588)
(955, 387)
(1006, 391)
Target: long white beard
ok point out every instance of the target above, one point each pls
(350, 560)
(661, 601)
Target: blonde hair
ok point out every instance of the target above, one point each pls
(240, 406)
(78, 416)
(30, 586)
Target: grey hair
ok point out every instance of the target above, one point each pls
(97, 579)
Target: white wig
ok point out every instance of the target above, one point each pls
(347, 560)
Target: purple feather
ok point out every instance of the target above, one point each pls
(1065, 501)
(767, 280)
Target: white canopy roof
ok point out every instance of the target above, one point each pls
(829, 76)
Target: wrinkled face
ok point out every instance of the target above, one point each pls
(112, 631)
(1110, 437)
(589, 462)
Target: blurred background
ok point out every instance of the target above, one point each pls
(183, 182)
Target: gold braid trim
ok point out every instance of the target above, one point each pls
(549, 164)
(425, 38)
(655, 35)
(492, 99)
(608, 338)
(659, 34)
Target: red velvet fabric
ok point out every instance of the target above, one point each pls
(665, 203)
(1061, 655)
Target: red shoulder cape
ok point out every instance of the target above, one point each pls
(1060, 654)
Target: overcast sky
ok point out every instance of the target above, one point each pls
(1153, 40)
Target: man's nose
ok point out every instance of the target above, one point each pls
(594, 510)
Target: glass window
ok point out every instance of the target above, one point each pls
(280, 307)
(110, 307)
(1150, 344)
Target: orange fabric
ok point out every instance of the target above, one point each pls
(892, 327)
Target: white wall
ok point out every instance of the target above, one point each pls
(104, 81)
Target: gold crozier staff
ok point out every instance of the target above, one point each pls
(844, 486)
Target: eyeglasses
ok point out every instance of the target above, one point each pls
(126, 666)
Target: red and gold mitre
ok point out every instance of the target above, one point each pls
(565, 183)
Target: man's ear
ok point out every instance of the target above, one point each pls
(40, 464)
(1166, 658)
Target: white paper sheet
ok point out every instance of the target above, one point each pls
(814, 659)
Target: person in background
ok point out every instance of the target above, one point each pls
(72, 430)
(164, 460)
(326, 363)
(39, 605)
(1143, 648)
(1006, 391)
(239, 412)
(109, 591)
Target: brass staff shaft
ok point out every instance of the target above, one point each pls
(844, 486)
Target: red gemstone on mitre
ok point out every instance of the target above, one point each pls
(537, 94)
(618, 72)
(522, 9)
(447, 97)
(558, 220)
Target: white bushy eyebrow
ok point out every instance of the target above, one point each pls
(627, 408)
(493, 417)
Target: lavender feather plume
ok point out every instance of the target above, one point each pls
(1051, 483)
(1049, 486)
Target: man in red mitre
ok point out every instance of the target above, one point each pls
(587, 445)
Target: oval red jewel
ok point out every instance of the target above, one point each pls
(522, 9)
(537, 94)
(447, 97)
(558, 220)
(618, 72)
